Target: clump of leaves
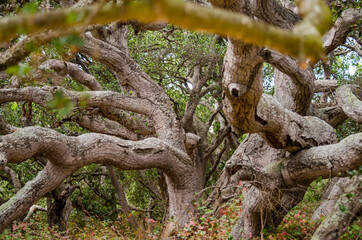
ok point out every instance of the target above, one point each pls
(206, 225)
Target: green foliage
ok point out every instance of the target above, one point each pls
(72, 41)
(354, 231)
(268, 78)
(296, 225)
(63, 104)
(168, 56)
(205, 225)
(30, 8)
(104, 76)
(18, 70)
(315, 191)
(349, 127)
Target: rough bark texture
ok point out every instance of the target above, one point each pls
(344, 211)
(286, 150)
(334, 189)
(264, 203)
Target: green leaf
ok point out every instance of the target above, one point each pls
(75, 40)
(349, 195)
(63, 104)
(30, 8)
(18, 70)
(71, 18)
(342, 208)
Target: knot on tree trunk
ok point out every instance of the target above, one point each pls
(237, 89)
(191, 142)
(3, 160)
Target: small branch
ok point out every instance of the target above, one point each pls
(64, 68)
(105, 126)
(121, 196)
(217, 141)
(14, 178)
(216, 163)
(149, 186)
(6, 128)
(33, 209)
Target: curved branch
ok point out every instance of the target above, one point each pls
(288, 130)
(14, 178)
(75, 152)
(338, 33)
(303, 79)
(67, 154)
(43, 95)
(89, 148)
(46, 180)
(324, 161)
(5, 127)
(347, 99)
(63, 68)
(34, 209)
(101, 125)
(303, 39)
(119, 61)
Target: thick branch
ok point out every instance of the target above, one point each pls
(272, 12)
(349, 99)
(65, 68)
(324, 161)
(48, 179)
(345, 210)
(303, 39)
(334, 116)
(325, 85)
(67, 154)
(43, 95)
(105, 126)
(288, 130)
(338, 33)
(303, 79)
(75, 152)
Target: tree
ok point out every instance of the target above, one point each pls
(289, 145)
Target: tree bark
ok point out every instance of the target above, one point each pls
(344, 211)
